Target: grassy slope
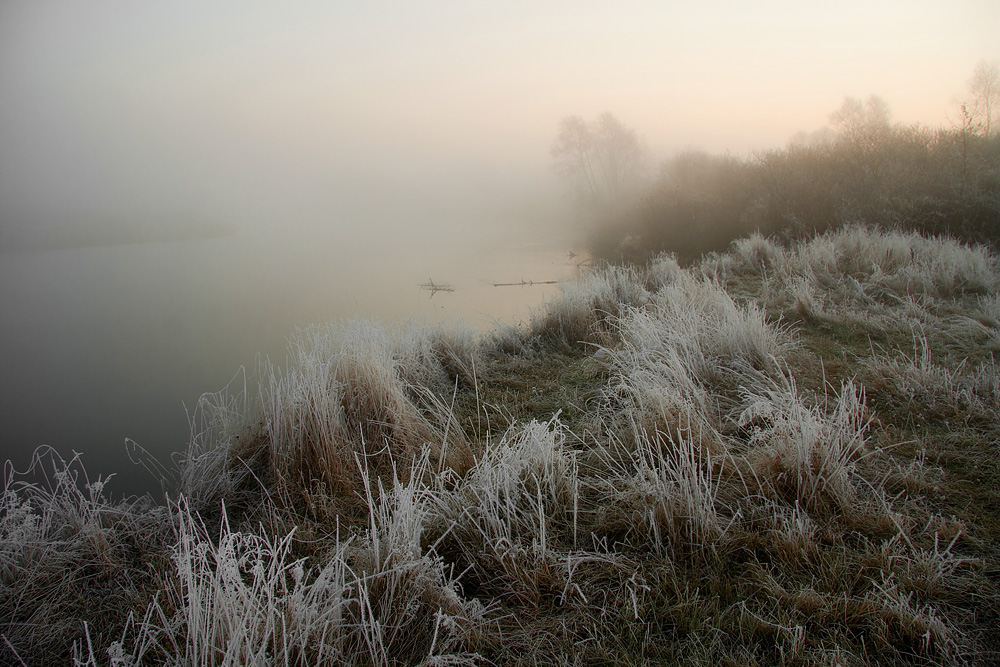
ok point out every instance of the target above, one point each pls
(906, 573)
(779, 456)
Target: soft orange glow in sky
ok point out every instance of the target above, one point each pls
(236, 94)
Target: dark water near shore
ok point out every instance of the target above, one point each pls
(99, 344)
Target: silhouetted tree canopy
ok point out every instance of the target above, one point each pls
(600, 162)
(863, 125)
(868, 170)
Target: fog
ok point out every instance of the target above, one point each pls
(183, 184)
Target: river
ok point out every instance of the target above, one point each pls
(103, 343)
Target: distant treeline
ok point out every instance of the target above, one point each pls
(944, 181)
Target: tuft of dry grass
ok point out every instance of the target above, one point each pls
(952, 390)
(347, 389)
(70, 555)
(242, 598)
(673, 485)
(677, 354)
(807, 454)
(585, 310)
(503, 520)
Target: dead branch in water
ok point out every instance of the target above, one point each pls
(434, 288)
(527, 283)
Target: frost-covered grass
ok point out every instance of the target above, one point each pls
(70, 557)
(674, 356)
(676, 485)
(956, 390)
(808, 454)
(349, 389)
(782, 455)
(242, 598)
(856, 268)
(585, 311)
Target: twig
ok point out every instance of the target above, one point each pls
(526, 283)
(435, 288)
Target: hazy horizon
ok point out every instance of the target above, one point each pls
(262, 114)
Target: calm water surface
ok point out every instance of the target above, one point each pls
(100, 344)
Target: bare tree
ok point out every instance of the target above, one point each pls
(864, 125)
(985, 88)
(574, 157)
(601, 162)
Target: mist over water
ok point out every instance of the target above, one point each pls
(103, 343)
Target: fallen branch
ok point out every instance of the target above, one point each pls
(435, 288)
(527, 283)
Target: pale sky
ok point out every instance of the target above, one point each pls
(217, 101)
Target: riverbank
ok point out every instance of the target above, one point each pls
(778, 455)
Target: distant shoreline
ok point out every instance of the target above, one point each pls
(114, 235)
